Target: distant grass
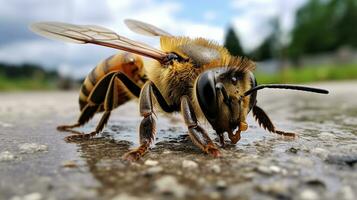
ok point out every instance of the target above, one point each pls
(289, 75)
(310, 74)
(16, 84)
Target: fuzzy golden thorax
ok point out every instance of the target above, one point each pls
(197, 57)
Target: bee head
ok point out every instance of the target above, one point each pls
(226, 95)
(221, 96)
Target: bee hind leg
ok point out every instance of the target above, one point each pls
(265, 122)
(103, 121)
(97, 97)
(105, 91)
(87, 113)
(110, 102)
(69, 128)
(197, 134)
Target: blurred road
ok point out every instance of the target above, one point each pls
(36, 163)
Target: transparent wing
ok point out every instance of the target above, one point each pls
(96, 35)
(145, 28)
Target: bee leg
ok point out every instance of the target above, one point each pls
(147, 128)
(265, 122)
(110, 102)
(68, 127)
(221, 140)
(96, 97)
(103, 121)
(197, 134)
(86, 114)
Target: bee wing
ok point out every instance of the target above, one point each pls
(96, 35)
(145, 28)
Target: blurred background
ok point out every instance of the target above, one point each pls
(293, 41)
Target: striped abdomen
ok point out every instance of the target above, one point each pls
(128, 63)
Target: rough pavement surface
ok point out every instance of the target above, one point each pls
(36, 163)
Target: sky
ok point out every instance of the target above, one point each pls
(200, 18)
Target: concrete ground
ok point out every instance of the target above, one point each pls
(36, 163)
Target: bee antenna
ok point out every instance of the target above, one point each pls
(286, 86)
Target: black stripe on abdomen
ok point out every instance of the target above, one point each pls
(84, 90)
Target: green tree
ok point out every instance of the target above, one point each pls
(272, 46)
(347, 28)
(322, 26)
(265, 50)
(232, 43)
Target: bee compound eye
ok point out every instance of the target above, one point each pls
(206, 95)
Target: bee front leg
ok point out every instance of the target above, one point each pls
(148, 124)
(197, 134)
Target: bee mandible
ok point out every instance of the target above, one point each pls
(196, 77)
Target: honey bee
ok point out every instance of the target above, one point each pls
(196, 77)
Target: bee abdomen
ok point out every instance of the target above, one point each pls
(127, 63)
(83, 96)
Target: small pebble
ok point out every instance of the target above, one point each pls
(293, 150)
(201, 181)
(347, 193)
(189, 164)
(32, 148)
(7, 156)
(169, 185)
(125, 196)
(303, 161)
(308, 194)
(151, 162)
(215, 168)
(240, 191)
(214, 195)
(264, 170)
(249, 175)
(320, 152)
(327, 136)
(5, 125)
(221, 185)
(32, 196)
(275, 169)
(275, 188)
(166, 152)
(69, 164)
(154, 170)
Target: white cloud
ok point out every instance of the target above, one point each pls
(253, 18)
(108, 13)
(33, 51)
(250, 20)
